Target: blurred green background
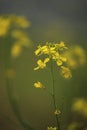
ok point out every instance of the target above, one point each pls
(50, 21)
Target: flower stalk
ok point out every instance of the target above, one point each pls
(53, 96)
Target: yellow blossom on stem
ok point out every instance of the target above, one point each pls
(65, 71)
(38, 85)
(55, 52)
(51, 128)
(41, 64)
(57, 112)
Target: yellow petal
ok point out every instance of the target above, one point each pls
(38, 85)
(59, 62)
(46, 60)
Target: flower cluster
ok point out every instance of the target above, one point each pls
(53, 51)
(75, 57)
(15, 26)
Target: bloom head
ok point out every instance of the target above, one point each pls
(53, 52)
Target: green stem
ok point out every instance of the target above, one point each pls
(53, 96)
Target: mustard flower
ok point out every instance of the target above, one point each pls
(65, 71)
(55, 52)
(44, 50)
(60, 46)
(41, 64)
(38, 85)
(52, 50)
(57, 112)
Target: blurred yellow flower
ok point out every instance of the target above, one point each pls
(21, 21)
(38, 85)
(4, 26)
(80, 106)
(75, 57)
(65, 71)
(41, 64)
(21, 37)
(16, 50)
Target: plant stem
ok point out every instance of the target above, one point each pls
(53, 96)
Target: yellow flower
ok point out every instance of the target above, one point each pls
(41, 64)
(54, 51)
(45, 50)
(4, 26)
(55, 55)
(16, 50)
(57, 112)
(21, 37)
(65, 71)
(38, 51)
(75, 57)
(51, 128)
(80, 106)
(59, 62)
(38, 85)
(60, 46)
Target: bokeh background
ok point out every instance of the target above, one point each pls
(51, 20)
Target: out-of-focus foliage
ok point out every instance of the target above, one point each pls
(53, 52)
(14, 26)
(80, 106)
(76, 56)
